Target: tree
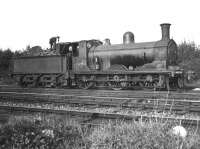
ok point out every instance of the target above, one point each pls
(189, 57)
(5, 60)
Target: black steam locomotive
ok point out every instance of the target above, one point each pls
(91, 63)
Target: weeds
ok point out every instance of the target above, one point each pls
(140, 135)
(54, 132)
(29, 134)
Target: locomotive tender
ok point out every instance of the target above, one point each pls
(90, 63)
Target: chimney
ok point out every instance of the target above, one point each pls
(165, 31)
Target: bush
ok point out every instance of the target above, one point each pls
(26, 133)
(5, 60)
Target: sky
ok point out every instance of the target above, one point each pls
(33, 22)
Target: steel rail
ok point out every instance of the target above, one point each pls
(122, 93)
(98, 115)
(142, 103)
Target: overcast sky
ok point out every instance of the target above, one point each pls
(33, 22)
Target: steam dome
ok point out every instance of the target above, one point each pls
(128, 38)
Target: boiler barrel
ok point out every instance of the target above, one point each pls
(130, 55)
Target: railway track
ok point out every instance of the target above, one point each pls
(134, 102)
(91, 115)
(105, 93)
(114, 104)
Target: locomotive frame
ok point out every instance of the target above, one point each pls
(90, 63)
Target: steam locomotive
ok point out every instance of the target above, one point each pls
(90, 63)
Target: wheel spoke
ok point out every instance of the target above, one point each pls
(115, 85)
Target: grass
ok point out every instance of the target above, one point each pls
(58, 132)
(51, 133)
(151, 134)
(141, 135)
